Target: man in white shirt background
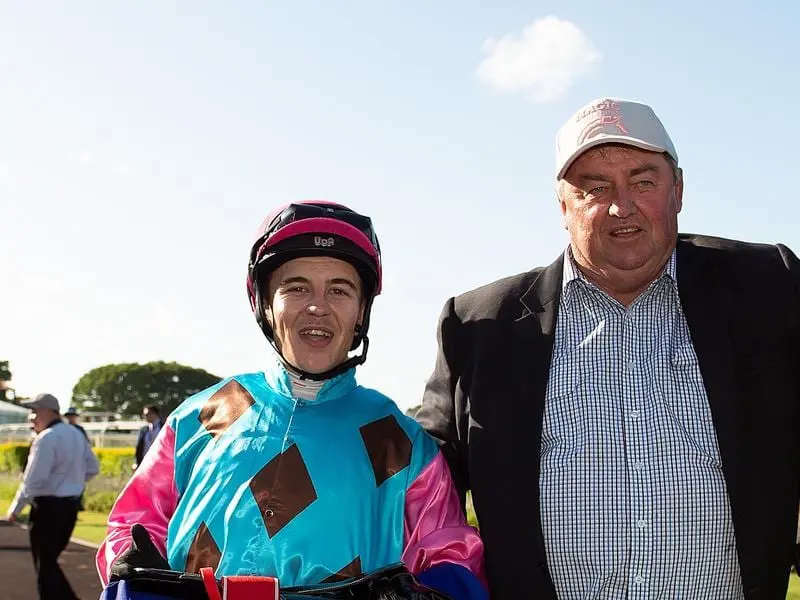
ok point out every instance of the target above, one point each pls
(59, 465)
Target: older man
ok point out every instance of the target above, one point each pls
(626, 417)
(59, 465)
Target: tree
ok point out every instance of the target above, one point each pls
(128, 387)
(5, 373)
(6, 392)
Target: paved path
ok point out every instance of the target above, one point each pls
(18, 579)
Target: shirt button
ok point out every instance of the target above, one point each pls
(638, 465)
(632, 365)
(638, 580)
(634, 414)
(269, 513)
(301, 403)
(641, 523)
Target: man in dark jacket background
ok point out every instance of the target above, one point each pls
(148, 433)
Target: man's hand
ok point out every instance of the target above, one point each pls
(142, 553)
(11, 518)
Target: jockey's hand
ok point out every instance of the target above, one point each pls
(142, 553)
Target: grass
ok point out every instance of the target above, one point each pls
(91, 527)
(794, 588)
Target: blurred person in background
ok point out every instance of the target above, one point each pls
(72, 416)
(148, 433)
(59, 465)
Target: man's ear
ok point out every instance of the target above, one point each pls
(361, 312)
(562, 204)
(266, 304)
(266, 308)
(269, 317)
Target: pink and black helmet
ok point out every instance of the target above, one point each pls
(316, 228)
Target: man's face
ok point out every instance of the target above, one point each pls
(313, 306)
(620, 206)
(41, 418)
(73, 419)
(149, 415)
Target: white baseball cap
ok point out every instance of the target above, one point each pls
(610, 121)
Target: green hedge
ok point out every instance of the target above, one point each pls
(114, 462)
(13, 457)
(99, 501)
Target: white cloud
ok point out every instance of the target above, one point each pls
(542, 62)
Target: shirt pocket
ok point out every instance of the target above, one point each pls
(685, 400)
(564, 426)
(682, 377)
(683, 356)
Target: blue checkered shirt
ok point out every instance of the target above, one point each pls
(633, 498)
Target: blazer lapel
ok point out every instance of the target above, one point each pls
(703, 305)
(533, 331)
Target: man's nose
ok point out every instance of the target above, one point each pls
(622, 206)
(318, 305)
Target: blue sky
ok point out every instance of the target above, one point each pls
(141, 144)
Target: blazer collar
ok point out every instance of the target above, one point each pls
(541, 299)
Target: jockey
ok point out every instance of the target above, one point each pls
(298, 472)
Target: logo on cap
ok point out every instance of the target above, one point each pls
(323, 241)
(603, 115)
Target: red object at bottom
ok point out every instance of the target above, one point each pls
(240, 587)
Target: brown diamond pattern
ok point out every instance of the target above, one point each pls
(283, 489)
(388, 447)
(223, 408)
(203, 551)
(353, 569)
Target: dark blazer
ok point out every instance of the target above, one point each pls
(82, 430)
(485, 403)
(140, 445)
(140, 449)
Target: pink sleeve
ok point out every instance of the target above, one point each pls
(149, 498)
(435, 529)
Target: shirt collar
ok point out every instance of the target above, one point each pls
(280, 380)
(573, 273)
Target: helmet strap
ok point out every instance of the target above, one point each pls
(351, 362)
(359, 339)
